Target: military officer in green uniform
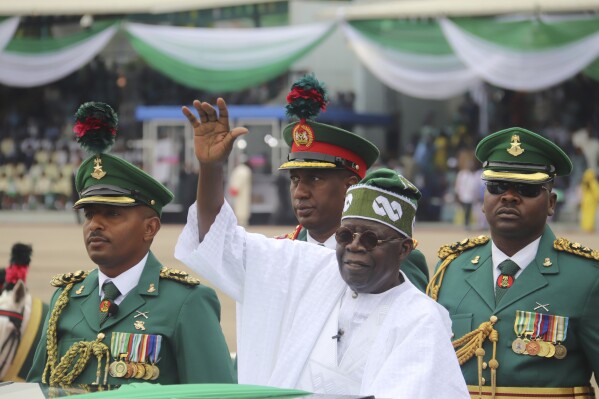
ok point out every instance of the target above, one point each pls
(131, 319)
(524, 304)
(324, 161)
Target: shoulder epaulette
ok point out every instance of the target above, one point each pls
(461, 246)
(61, 280)
(562, 244)
(178, 275)
(291, 236)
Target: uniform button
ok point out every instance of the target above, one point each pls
(484, 365)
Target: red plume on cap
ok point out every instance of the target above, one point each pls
(307, 98)
(95, 127)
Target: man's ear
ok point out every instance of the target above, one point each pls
(152, 226)
(351, 180)
(406, 247)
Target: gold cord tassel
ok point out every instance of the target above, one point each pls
(480, 352)
(82, 351)
(471, 344)
(51, 344)
(493, 363)
(433, 287)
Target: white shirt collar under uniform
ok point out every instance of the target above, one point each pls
(329, 243)
(125, 281)
(523, 258)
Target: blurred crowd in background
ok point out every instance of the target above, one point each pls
(38, 156)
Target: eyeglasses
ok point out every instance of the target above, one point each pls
(367, 239)
(523, 189)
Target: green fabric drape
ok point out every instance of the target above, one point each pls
(216, 80)
(196, 391)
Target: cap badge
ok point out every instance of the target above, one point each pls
(98, 173)
(515, 148)
(303, 135)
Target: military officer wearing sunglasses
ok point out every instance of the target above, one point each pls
(344, 322)
(524, 304)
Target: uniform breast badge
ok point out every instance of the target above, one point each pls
(505, 281)
(104, 306)
(139, 325)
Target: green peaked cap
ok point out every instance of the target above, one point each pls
(109, 180)
(519, 155)
(318, 145)
(386, 197)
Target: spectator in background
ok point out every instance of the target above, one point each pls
(589, 200)
(467, 189)
(240, 190)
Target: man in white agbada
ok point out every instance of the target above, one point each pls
(345, 323)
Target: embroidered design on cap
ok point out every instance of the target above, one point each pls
(98, 173)
(383, 207)
(348, 200)
(515, 148)
(303, 135)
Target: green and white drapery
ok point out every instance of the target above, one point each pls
(543, 54)
(28, 63)
(7, 30)
(209, 59)
(224, 59)
(437, 74)
(432, 59)
(439, 59)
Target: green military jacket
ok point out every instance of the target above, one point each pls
(186, 315)
(557, 282)
(414, 266)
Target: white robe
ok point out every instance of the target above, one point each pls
(289, 293)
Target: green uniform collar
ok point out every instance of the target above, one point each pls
(480, 263)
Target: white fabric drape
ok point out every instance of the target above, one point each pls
(7, 30)
(422, 76)
(228, 49)
(29, 69)
(520, 70)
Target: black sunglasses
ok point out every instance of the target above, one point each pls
(523, 189)
(367, 239)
